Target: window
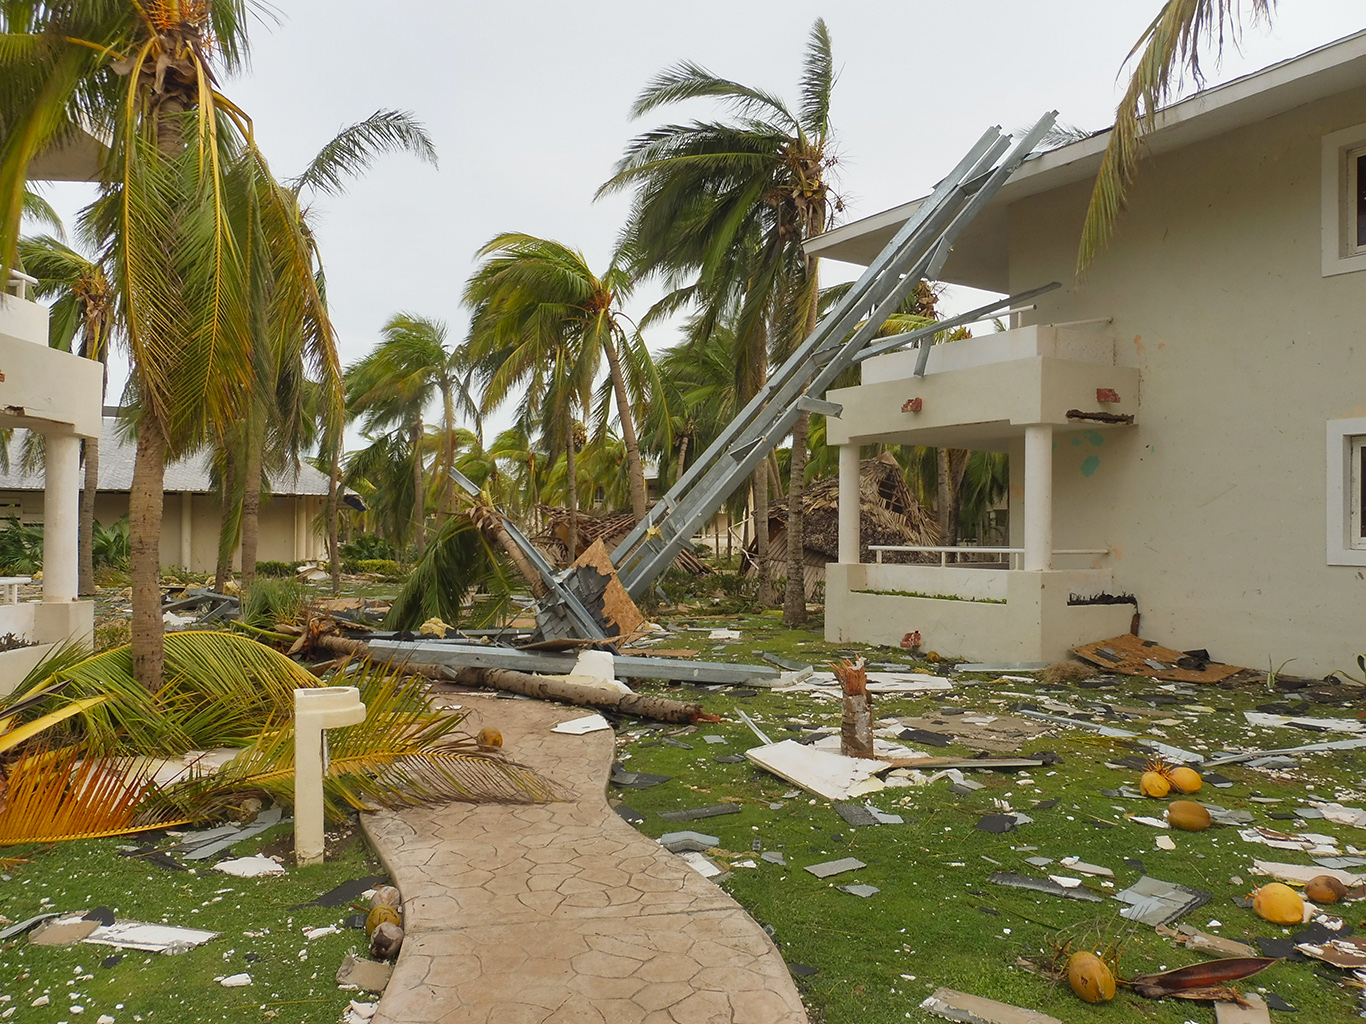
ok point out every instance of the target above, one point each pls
(1344, 201)
(1347, 492)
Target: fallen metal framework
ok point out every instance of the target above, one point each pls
(917, 252)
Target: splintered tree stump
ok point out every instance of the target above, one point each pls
(856, 725)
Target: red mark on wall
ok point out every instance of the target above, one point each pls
(1107, 395)
(912, 405)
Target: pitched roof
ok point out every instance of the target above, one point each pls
(191, 474)
(980, 258)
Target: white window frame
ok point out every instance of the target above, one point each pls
(1341, 253)
(1346, 445)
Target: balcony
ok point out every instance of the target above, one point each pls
(1023, 392)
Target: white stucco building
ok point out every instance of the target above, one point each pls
(1227, 317)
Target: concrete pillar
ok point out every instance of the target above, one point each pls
(1038, 497)
(186, 528)
(849, 504)
(61, 517)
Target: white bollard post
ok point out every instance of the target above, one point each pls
(316, 709)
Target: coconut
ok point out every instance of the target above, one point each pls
(489, 739)
(385, 895)
(379, 915)
(1184, 780)
(1324, 889)
(1090, 978)
(1278, 903)
(1188, 816)
(1154, 784)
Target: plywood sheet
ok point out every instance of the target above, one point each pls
(1130, 655)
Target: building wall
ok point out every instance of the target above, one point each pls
(1215, 504)
(286, 532)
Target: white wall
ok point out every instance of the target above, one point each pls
(1215, 503)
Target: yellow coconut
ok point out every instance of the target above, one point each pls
(379, 915)
(1184, 780)
(1188, 816)
(1324, 889)
(1090, 978)
(1154, 784)
(489, 739)
(1278, 904)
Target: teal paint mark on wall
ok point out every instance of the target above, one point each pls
(1095, 438)
(1076, 442)
(1090, 464)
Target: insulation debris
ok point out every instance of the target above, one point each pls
(1349, 954)
(154, 938)
(1153, 901)
(1301, 873)
(825, 773)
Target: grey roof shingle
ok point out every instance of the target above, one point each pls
(192, 474)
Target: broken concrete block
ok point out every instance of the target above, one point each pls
(681, 842)
(835, 867)
(976, 1010)
(364, 974)
(62, 931)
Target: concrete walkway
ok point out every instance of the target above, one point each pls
(562, 912)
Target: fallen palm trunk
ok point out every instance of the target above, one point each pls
(661, 709)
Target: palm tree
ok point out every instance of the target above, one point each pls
(279, 422)
(529, 287)
(81, 320)
(393, 385)
(1168, 49)
(721, 211)
(205, 245)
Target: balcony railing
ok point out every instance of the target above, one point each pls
(1015, 555)
(17, 283)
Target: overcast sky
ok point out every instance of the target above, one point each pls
(527, 105)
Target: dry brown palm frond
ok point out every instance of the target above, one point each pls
(62, 794)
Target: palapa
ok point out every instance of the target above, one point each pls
(889, 514)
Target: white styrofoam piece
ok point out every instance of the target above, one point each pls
(579, 726)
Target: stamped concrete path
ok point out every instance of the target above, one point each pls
(562, 912)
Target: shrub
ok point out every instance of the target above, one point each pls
(367, 546)
(268, 601)
(111, 634)
(278, 570)
(386, 567)
(110, 545)
(21, 548)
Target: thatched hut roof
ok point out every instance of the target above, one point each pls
(611, 527)
(889, 514)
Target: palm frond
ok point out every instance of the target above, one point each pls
(817, 82)
(355, 148)
(1168, 49)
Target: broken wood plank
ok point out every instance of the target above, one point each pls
(963, 762)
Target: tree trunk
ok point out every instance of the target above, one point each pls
(628, 431)
(333, 520)
(419, 499)
(144, 517)
(251, 502)
(951, 465)
(446, 501)
(682, 458)
(764, 596)
(794, 597)
(572, 485)
(87, 525)
(227, 539)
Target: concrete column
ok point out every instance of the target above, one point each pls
(1038, 497)
(186, 528)
(849, 504)
(61, 517)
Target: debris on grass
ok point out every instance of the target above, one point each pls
(359, 973)
(1044, 885)
(153, 938)
(250, 867)
(1154, 902)
(960, 1006)
(835, 867)
(682, 842)
(581, 726)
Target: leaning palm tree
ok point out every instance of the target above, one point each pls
(206, 247)
(1164, 54)
(392, 386)
(80, 320)
(530, 286)
(720, 213)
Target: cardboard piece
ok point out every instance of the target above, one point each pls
(959, 1006)
(1346, 953)
(1133, 656)
(62, 931)
(827, 774)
